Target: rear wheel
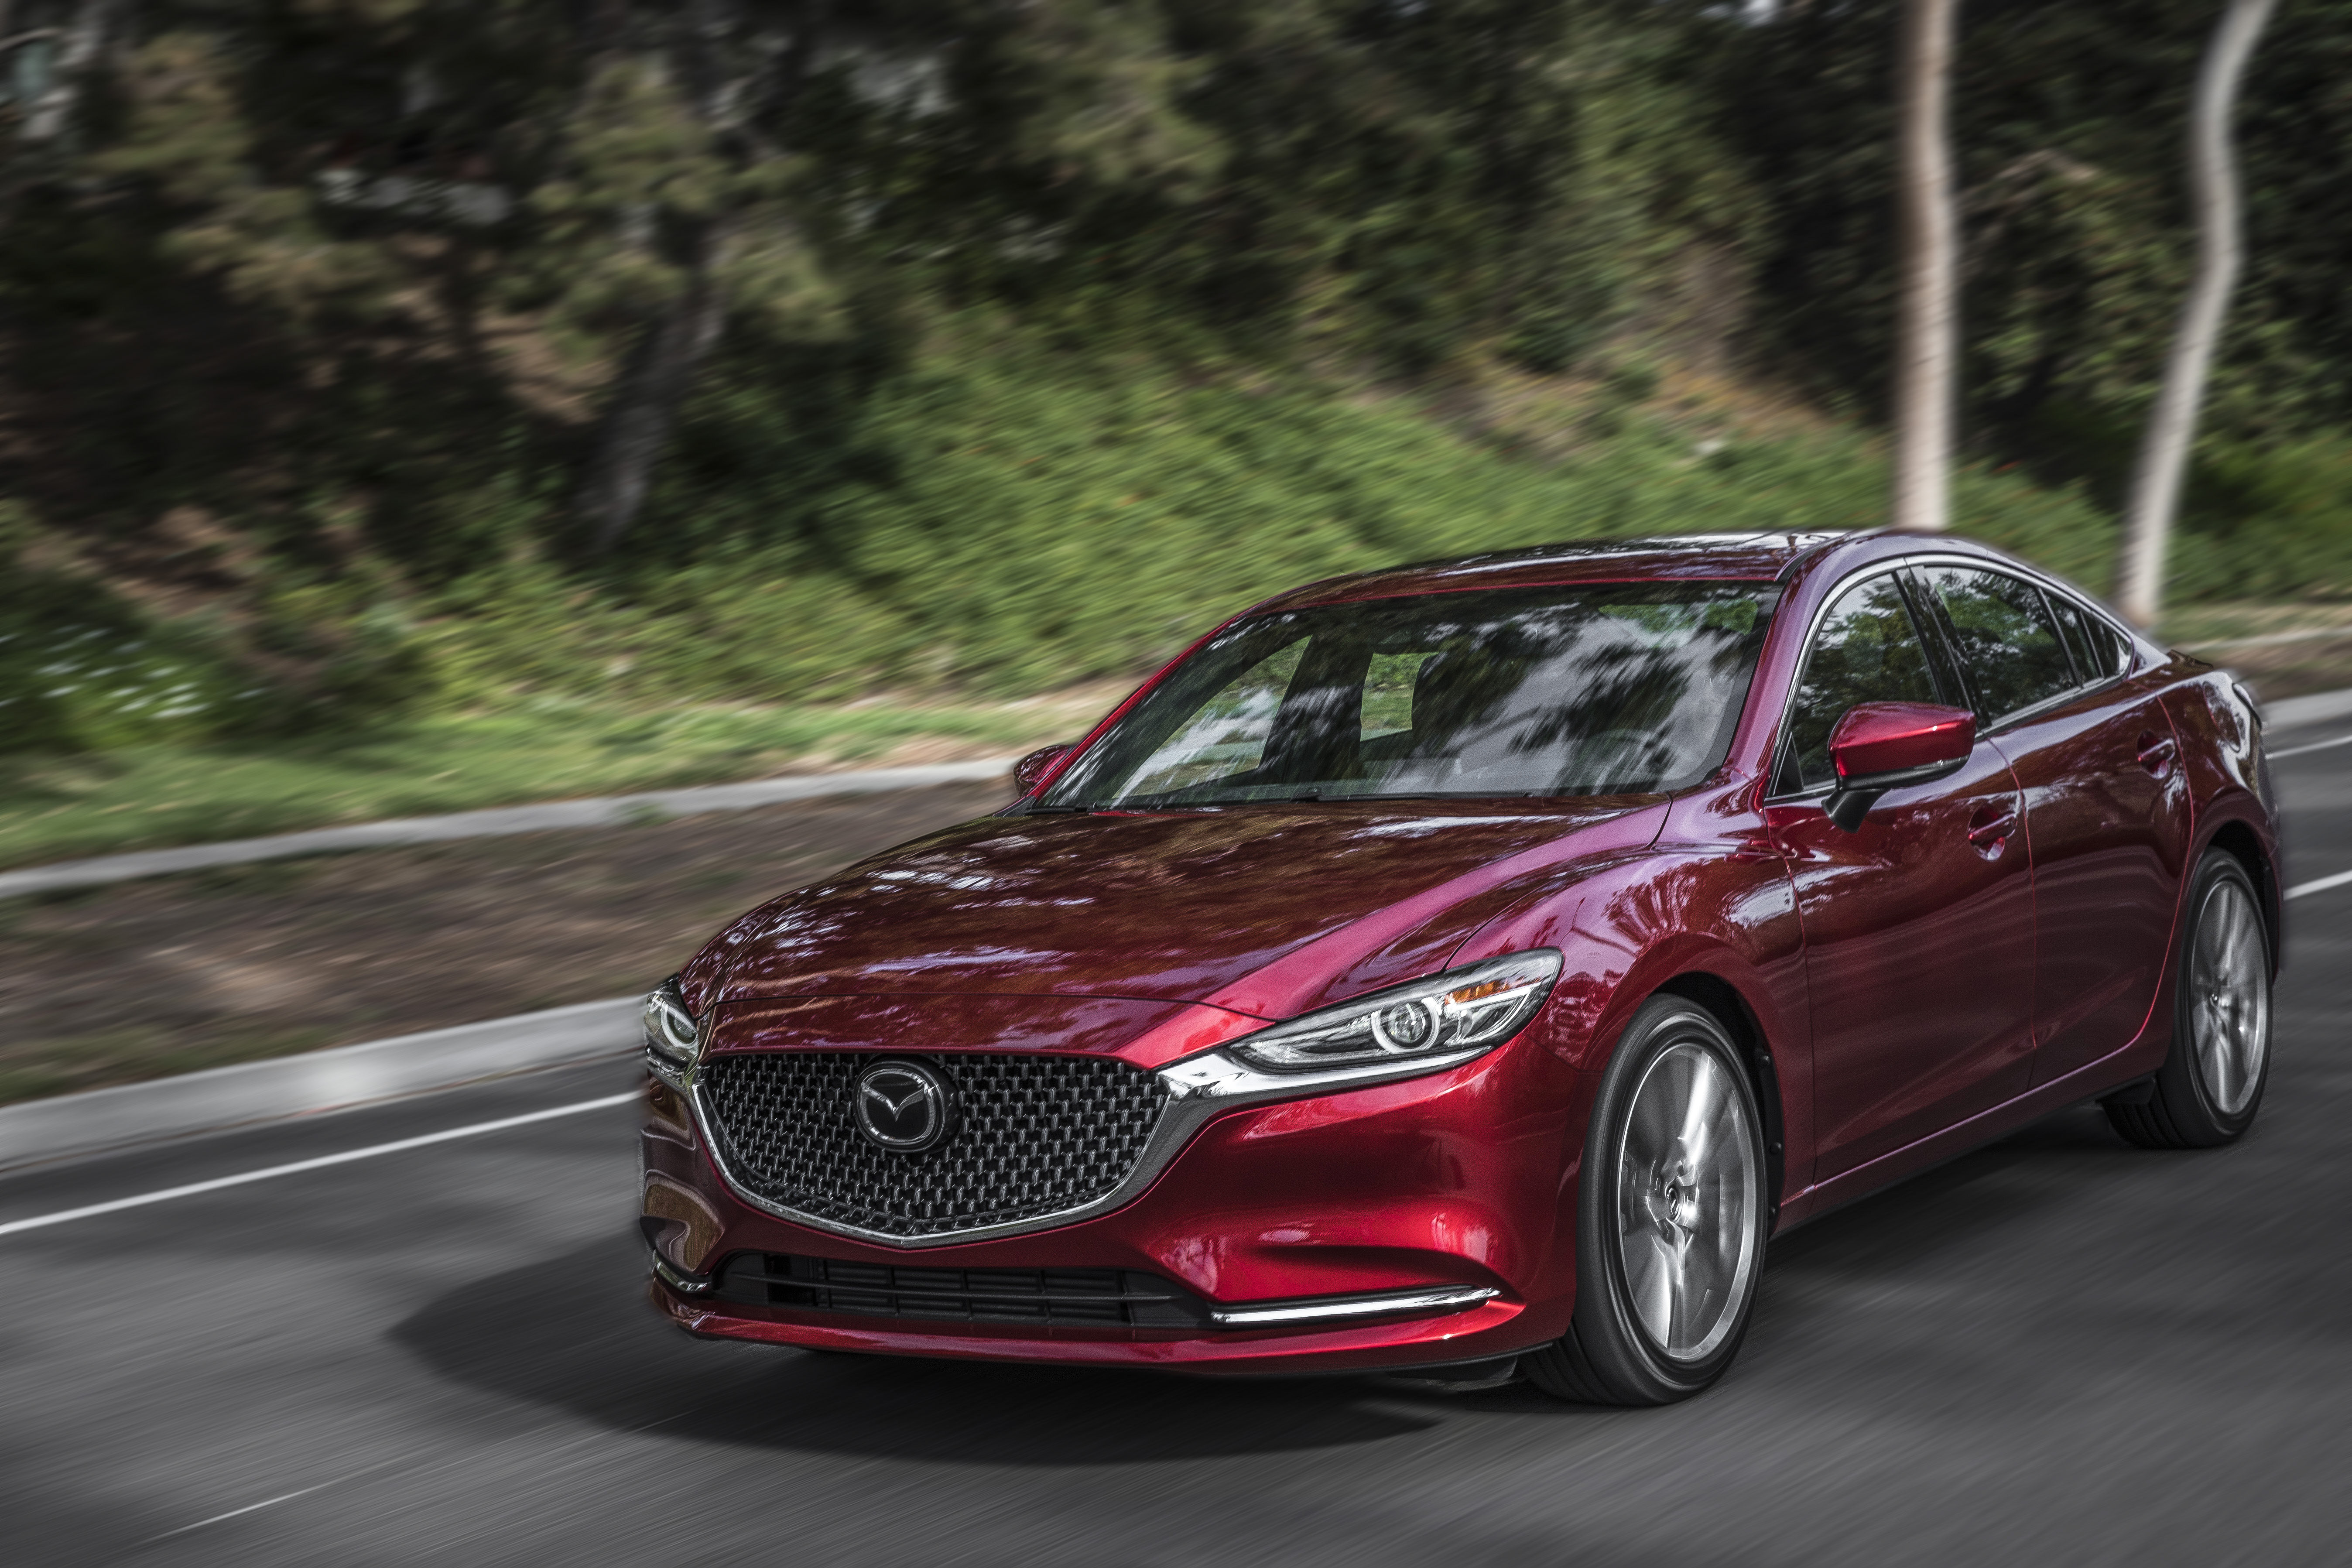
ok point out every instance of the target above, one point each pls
(2211, 1084)
(1671, 1219)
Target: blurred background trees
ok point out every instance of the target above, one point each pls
(371, 353)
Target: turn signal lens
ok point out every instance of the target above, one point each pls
(1468, 1009)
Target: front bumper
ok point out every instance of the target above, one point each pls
(1405, 1223)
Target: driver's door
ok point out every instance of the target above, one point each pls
(1920, 943)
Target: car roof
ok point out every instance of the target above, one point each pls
(1697, 557)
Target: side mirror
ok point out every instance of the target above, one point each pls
(1029, 770)
(1880, 746)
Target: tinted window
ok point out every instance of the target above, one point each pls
(2002, 630)
(2077, 635)
(1868, 650)
(1597, 690)
(2099, 647)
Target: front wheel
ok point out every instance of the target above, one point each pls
(1671, 1217)
(2211, 1084)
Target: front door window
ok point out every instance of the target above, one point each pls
(1868, 650)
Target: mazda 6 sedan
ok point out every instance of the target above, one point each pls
(1467, 969)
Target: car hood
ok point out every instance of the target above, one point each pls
(1266, 910)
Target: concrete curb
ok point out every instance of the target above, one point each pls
(316, 1081)
(2316, 708)
(41, 1130)
(611, 811)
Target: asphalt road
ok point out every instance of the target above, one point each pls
(2057, 1350)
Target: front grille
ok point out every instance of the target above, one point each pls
(1106, 1297)
(1034, 1135)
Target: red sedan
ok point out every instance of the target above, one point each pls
(1472, 966)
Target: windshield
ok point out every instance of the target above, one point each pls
(1597, 689)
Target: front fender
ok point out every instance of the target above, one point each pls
(1712, 899)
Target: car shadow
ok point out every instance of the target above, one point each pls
(575, 1333)
(1984, 1190)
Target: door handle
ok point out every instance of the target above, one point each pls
(2155, 753)
(1991, 825)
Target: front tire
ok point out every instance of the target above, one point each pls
(1672, 1214)
(2211, 1082)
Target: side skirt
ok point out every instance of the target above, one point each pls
(2117, 1067)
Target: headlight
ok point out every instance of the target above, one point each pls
(671, 1034)
(1453, 1015)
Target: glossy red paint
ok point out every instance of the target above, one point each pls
(1038, 766)
(1878, 738)
(1179, 906)
(1919, 950)
(2109, 835)
(1984, 948)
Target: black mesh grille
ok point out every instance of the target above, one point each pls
(1112, 1298)
(1033, 1135)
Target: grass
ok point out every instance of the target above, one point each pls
(1019, 520)
(61, 807)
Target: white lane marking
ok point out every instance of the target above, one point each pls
(2314, 746)
(218, 1182)
(274, 1501)
(2341, 878)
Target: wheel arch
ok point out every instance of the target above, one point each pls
(2237, 838)
(1724, 1002)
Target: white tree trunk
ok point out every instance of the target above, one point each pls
(2172, 428)
(50, 115)
(1928, 345)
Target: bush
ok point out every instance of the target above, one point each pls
(80, 670)
(1003, 516)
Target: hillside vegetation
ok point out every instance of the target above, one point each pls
(428, 404)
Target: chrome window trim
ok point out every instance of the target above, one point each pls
(2024, 573)
(1837, 592)
(1839, 589)
(1201, 1087)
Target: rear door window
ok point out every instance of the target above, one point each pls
(1867, 649)
(2101, 645)
(2070, 628)
(2005, 637)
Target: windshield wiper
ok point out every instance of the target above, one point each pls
(1044, 810)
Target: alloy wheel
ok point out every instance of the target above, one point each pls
(2230, 1016)
(1687, 1190)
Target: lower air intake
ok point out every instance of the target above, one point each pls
(1102, 1298)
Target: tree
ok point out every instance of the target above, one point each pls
(1928, 334)
(2172, 426)
(677, 210)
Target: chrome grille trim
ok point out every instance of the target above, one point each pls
(1199, 1087)
(1180, 1118)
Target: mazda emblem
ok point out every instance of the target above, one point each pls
(905, 1107)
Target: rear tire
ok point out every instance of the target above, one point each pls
(1672, 1212)
(2211, 1083)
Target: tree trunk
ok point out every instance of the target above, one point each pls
(1927, 345)
(662, 367)
(2172, 428)
(656, 376)
(85, 42)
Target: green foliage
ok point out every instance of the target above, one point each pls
(80, 671)
(152, 792)
(2069, 122)
(1003, 516)
(1054, 329)
(2268, 521)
